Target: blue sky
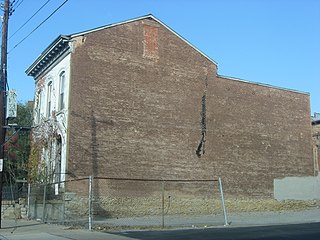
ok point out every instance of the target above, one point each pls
(274, 42)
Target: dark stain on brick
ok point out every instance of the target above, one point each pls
(201, 147)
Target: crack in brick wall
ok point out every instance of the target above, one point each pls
(203, 123)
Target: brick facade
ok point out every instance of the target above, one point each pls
(253, 140)
(141, 102)
(145, 104)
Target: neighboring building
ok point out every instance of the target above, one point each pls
(136, 100)
(316, 140)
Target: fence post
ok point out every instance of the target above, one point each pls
(162, 204)
(90, 203)
(44, 202)
(28, 201)
(222, 203)
(63, 207)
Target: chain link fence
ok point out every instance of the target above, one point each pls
(113, 203)
(54, 203)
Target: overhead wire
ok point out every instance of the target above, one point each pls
(10, 137)
(38, 26)
(30, 18)
(16, 4)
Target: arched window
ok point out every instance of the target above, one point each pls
(62, 77)
(58, 160)
(38, 106)
(49, 99)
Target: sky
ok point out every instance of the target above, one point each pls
(274, 42)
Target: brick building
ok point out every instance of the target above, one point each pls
(136, 100)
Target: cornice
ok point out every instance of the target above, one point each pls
(49, 56)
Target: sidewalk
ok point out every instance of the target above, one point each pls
(32, 230)
(274, 218)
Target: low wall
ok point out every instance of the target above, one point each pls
(297, 188)
(13, 209)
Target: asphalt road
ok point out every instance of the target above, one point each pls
(309, 231)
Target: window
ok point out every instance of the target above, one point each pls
(38, 106)
(61, 90)
(58, 160)
(49, 99)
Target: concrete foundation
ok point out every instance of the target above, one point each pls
(297, 188)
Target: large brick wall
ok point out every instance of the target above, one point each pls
(142, 102)
(256, 134)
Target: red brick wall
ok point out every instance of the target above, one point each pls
(256, 134)
(137, 103)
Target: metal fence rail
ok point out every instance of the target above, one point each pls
(118, 203)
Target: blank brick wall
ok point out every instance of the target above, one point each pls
(136, 106)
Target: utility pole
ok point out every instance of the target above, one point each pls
(3, 88)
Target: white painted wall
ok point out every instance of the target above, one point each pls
(61, 116)
(297, 188)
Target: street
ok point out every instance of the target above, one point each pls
(31, 230)
(309, 231)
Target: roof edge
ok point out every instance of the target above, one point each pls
(46, 51)
(263, 84)
(141, 18)
(110, 25)
(185, 40)
(315, 122)
(68, 37)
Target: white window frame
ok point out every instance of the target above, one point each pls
(62, 82)
(49, 98)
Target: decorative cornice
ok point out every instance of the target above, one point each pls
(49, 56)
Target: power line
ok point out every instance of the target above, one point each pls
(10, 137)
(38, 26)
(16, 4)
(30, 18)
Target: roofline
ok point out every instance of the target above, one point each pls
(69, 37)
(46, 51)
(315, 122)
(141, 18)
(185, 40)
(110, 26)
(263, 84)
